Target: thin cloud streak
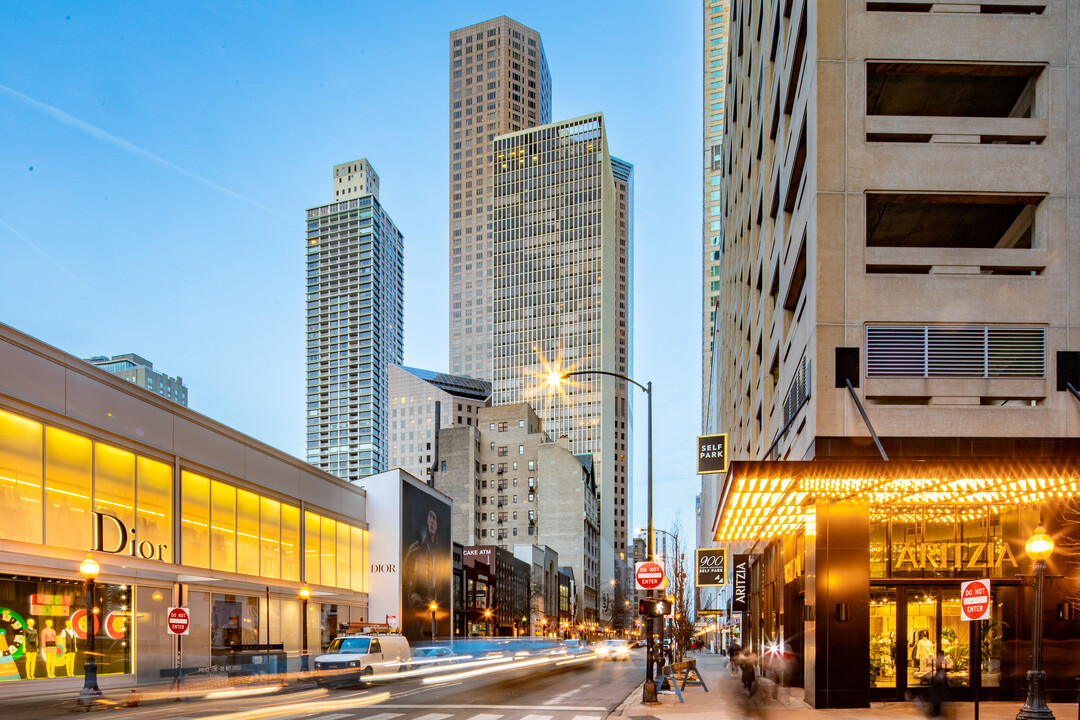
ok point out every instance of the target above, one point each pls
(50, 258)
(100, 134)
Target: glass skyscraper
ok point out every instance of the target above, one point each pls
(355, 274)
(563, 243)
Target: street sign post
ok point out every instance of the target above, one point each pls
(976, 605)
(649, 575)
(178, 621)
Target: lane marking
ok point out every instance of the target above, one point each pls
(433, 716)
(565, 708)
(483, 716)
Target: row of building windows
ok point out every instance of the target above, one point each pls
(52, 481)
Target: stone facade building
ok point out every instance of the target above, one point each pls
(512, 484)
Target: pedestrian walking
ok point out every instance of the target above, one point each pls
(747, 662)
(733, 650)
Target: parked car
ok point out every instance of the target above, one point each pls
(351, 658)
(613, 649)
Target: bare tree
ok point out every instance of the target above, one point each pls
(682, 589)
(1067, 543)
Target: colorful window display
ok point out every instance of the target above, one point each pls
(43, 628)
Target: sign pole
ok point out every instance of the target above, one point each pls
(178, 678)
(976, 665)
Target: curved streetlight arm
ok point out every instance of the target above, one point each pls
(572, 373)
(649, 688)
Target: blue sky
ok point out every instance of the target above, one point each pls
(157, 158)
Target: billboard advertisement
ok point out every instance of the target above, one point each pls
(426, 567)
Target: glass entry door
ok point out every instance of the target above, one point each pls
(917, 628)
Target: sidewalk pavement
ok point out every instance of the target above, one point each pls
(725, 700)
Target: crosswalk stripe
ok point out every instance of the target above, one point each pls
(335, 716)
(382, 716)
(485, 716)
(536, 717)
(433, 716)
(587, 717)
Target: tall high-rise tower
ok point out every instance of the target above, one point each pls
(562, 246)
(715, 42)
(355, 273)
(499, 83)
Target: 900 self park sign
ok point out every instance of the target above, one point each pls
(711, 567)
(712, 454)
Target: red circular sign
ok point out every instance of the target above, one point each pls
(975, 600)
(78, 623)
(649, 575)
(178, 620)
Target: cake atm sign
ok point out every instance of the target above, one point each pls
(712, 454)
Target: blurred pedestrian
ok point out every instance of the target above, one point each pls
(733, 650)
(747, 662)
(939, 688)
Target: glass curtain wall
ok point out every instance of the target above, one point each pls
(51, 479)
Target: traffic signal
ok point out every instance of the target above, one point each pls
(654, 607)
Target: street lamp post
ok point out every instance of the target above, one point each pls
(648, 692)
(487, 622)
(433, 607)
(305, 593)
(1039, 547)
(90, 691)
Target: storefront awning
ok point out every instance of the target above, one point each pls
(770, 499)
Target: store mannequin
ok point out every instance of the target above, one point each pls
(48, 647)
(67, 635)
(925, 651)
(31, 649)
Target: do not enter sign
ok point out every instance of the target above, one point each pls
(178, 621)
(975, 600)
(649, 575)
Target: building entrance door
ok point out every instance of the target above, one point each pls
(917, 627)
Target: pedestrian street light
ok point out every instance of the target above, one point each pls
(89, 569)
(1039, 548)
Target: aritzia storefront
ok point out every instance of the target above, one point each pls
(856, 570)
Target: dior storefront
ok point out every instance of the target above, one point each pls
(177, 510)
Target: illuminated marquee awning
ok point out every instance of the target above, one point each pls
(770, 499)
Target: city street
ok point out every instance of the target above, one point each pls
(585, 692)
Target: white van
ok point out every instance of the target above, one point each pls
(353, 657)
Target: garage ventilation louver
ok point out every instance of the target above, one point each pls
(942, 351)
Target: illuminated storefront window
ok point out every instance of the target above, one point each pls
(234, 530)
(336, 553)
(134, 492)
(43, 628)
(20, 478)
